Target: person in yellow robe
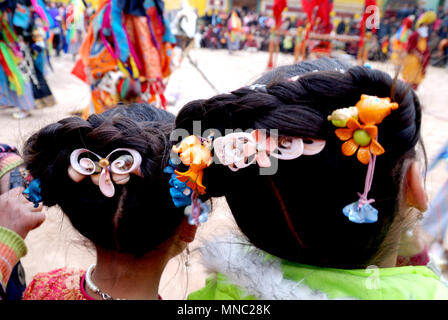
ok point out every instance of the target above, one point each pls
(418, 55)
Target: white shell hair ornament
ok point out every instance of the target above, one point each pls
(235, 149)
(103, 172)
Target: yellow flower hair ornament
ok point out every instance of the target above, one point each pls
(357, 127)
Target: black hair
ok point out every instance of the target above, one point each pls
(141, 215)
(296, 214)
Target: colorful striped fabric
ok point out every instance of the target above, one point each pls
(9, 159)
(12, 248)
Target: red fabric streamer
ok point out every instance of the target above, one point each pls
(324, 7)
(308, 6)
(79, 71)
(362, 27)
(278, 7)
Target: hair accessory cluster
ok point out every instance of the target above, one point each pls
(357, 127)
(235, 150)
(195, 153)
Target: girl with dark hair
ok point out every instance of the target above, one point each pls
(307, 230)
(106, 173)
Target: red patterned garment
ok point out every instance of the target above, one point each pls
(59, 284)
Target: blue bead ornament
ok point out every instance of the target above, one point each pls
(365, 214)
(32, 193)
(182, 195)
(180, 192)
(197, 214)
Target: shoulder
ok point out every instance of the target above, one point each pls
(58, 284)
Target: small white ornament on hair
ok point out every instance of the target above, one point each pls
(235, 149)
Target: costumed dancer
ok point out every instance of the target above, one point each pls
(25, 26)
(234, 25)
(15, 87)
(74, 21)
(365, 38)
(56, 38)
(298, 44)
(400, 41)
(418, 55)
(274, 39)
(37, 48)
(126, 54)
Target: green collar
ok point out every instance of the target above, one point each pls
(245, 272)
(411, 282)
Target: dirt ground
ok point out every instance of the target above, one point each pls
(55, 244)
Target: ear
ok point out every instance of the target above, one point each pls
(415, 192)
(187, 232)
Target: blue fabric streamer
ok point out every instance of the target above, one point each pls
(168, 36)
(49, 17)
(118, 30)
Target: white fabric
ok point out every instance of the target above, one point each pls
(248, 268)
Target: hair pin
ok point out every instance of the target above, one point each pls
(103, 171)
(234, 150)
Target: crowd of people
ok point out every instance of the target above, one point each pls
(253, 31)
(215, 32)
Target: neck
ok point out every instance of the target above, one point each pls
(389, 261)
(388, 253)
(125, 277)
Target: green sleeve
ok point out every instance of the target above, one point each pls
(218, 288)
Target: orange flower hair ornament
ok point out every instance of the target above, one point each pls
(357, 126)
(195, 153)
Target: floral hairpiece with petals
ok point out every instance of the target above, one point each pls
(102, 172)
(357, 127)
(234, 150)
(360, 136)
(194, 152)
